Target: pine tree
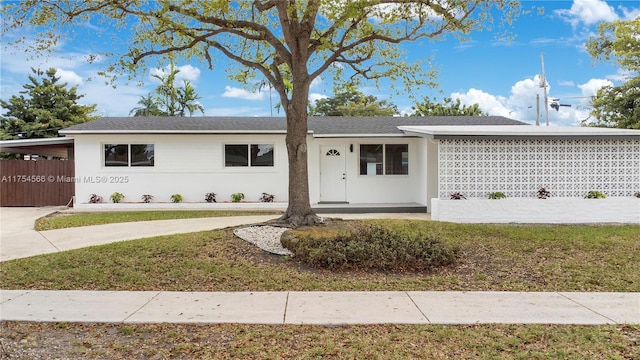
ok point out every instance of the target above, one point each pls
(42, 108)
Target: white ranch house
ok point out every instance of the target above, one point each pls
(366, 164)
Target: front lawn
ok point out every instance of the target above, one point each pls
(492, 257)
(60, 220)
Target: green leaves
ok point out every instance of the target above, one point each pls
(43, 108)
(617, 106)
(448, 107)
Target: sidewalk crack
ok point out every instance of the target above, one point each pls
(49, 241)
(286, 306)
(418, 307)
(142, 306)
(586, 307)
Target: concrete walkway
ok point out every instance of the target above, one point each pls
(18, 239)
(321, 308)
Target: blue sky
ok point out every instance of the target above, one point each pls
(503, 77)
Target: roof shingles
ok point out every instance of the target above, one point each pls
(318, 125)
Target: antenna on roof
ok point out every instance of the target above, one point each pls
(543, 85)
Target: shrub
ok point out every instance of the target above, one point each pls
(497, 195)
(94, 199)
(267, 197)
(116, 197)
(543, 193)
(210, 197)
(595, 195)
(237, 197)
(176, 198)
(147, 198)
(456, 196)
(372, 247)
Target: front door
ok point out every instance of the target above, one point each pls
(333, 183)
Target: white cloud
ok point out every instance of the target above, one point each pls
(185, 72)
(313, 97)
(69, 77)
(588, 12)
(630, 14)
(521, 102)
(566, 83)
(316, 82)
(591, 87)
(493, 105)
(238, 93)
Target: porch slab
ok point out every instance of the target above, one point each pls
(347, 208)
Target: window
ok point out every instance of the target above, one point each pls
(248, 155)
(388, 159)
(128, 155)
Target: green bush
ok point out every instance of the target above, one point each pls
(116, 197)
(595, 195)
(237, 197)
(497, 195)
(372, 247)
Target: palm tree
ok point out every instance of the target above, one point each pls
(169, 100)
(149, 107)
(187, 99)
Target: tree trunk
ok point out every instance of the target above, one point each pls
(299, 211)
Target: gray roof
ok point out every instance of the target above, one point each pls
(329, 125)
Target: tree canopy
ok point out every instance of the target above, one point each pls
(169, 100)
(282, 41)
(352, 103)
(448, 107)
(42, 108)
(618, 106)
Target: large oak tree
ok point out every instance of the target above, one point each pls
(287, 42)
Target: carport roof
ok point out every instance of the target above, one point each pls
(58, 146)
(318, 126)
(518, 131)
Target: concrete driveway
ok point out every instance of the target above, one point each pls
(18, 238)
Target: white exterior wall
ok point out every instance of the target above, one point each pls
(545, 211)
(568, 169)
(519, 167)
(193, 165)
(189, 165)
(373, 189)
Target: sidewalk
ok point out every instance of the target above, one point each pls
(321, 308)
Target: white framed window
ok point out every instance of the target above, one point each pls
(129, 155)
(384, 159)
(248, 155)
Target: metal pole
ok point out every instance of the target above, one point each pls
(537, 109)
(543, 83)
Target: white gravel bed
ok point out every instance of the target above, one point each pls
(266, 238)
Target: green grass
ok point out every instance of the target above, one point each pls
(236, 341)
(493, 257)
(60, 220)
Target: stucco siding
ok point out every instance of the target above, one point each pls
(193, 165)
(184, 164)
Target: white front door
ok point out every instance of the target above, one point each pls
(333, 183)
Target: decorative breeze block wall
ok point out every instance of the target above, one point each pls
(519, 167)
